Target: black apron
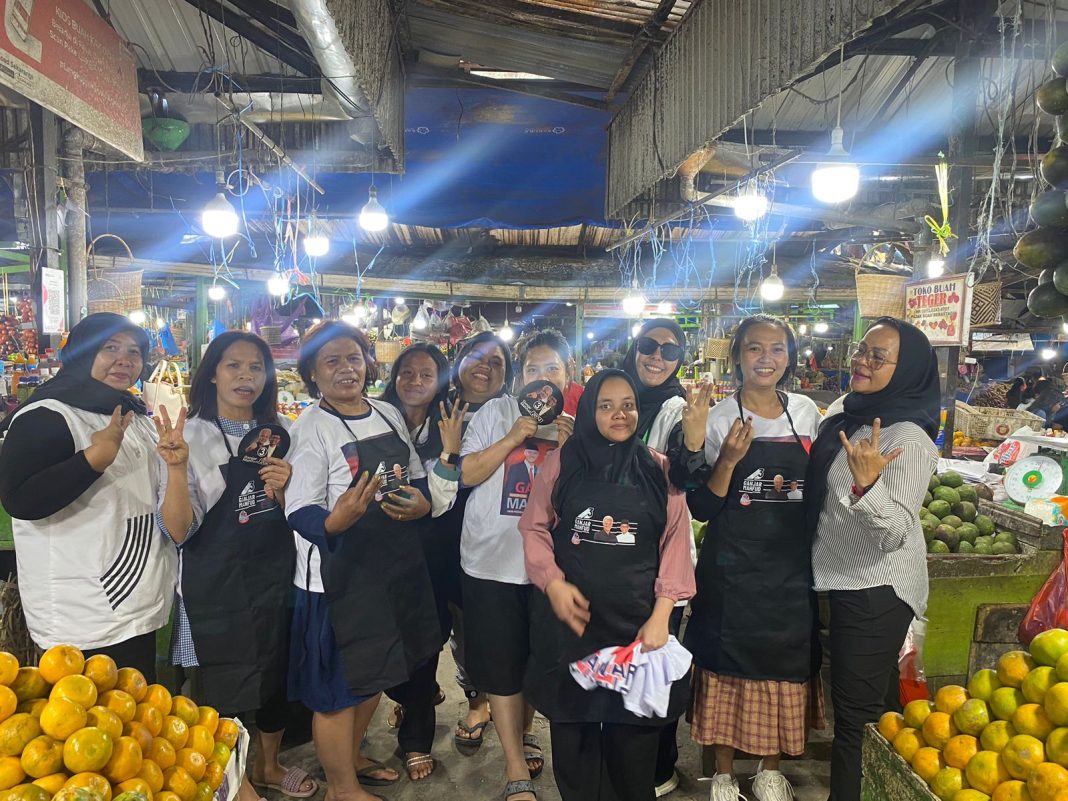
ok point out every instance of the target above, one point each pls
(237, 585)
(754, 613)
(618, 579)
(377, 586)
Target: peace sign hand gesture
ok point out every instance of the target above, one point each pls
(695, 417)
(866, 460)
(172, 446)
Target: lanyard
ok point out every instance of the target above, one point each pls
(783, 401)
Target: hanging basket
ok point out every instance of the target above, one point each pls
(986, 304)
(387, 350)
(880, 295)
(112, 290)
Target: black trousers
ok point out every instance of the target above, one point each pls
(604, 761)
(667, 753)
(417, 696)
(137, 652)
(868, 628)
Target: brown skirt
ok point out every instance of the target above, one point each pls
(761, 718)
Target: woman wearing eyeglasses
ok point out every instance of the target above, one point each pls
(865, 484)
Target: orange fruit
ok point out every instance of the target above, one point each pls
(986, 770)
(996, 735)
(908, 742)
(125, 760)
(227, 732)
(9, 668)
(102, 671)
(32, 707)
(972, 716)
(1048, 646)
(983, 683)
(87, 750)
(52, 783)
(91, 781)
(185, 709)
(8, 702)
(968, 794)
(11, 772)
(135, 785)
(162, 753)
(131, 680)
(61, 717)
(194, 763)
(1047, 781)
(1005, 701)
(26, 792)
(59, 661)
(1013, 667)
(204, 792)
(1032, 719)
(1057, 746)
(927, 762)
(200, 741)
(121, 703)
(1056, 703)
(1037, 683)
(103, 718)
(139, 731)
(42, 756)
(29, 683)
(948, 699)
(16, 731)
(78, 688)
(151, 717)
(166, 795)
(915, 713)
(959, 750)
(151, 773)
(213, 775)
(947, 783)
(938, 728)
(208, 718)
(1012, 790)
(180, 783)
(889, 725)
(1022, 755)
(175, 731)
(220, 754)
(160, 697)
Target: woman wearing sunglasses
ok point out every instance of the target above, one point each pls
(865, 484)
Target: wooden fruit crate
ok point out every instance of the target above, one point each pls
(886, 775)
(1028, 530)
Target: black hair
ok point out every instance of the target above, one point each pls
(543, 338)
(774, 322)
(390, 394)
(203, 398)
(327, 331)
(468, 346)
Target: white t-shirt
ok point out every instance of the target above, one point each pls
(321, 471)
(803, 410)
(491, 546)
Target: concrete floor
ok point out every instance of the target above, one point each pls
(480, 775)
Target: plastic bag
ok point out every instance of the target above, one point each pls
(1049, 608)
(912, 679)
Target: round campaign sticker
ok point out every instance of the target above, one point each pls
(746, 500)
(541, 400)
(263, 442)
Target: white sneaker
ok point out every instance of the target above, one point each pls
(725, 788)
(669, 786)
(771, 785)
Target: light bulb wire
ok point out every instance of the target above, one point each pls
(841, 83)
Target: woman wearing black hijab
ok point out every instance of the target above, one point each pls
(605, 537)
(867, 474)
(79, 475)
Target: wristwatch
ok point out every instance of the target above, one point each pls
(450, 458)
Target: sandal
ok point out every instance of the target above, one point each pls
(532, 753)
(396, 717)
(418, 760)
(517, 787)
(291, 784)
(363, 775)
(471, 742)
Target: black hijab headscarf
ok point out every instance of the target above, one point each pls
(74, 384)
(912, 396)
(587, 454)
(651, 399)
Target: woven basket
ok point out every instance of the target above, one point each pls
(880, 295)
(272, 334)
(387, 350)
(986, 304)
(112, 290)
(717, 348)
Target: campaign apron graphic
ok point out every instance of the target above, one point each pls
(520, 468)
(602, 530)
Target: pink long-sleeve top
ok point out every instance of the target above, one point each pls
(675, 579)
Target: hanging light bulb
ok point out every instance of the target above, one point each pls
(137, 317)
(278, 284)
(421, 320)
(160, 323)
(589, 334)
(836, 181)
(808, 351)
(750, 205)
(219, 218)
(216, 292)
(373, 216)
(802, 329)
(663, 307)
(936, 266)
(1048, 354)
(1064, 327)
(316, 243)
(634, 302)
(506, 333)
(398, 301)
(772, 288)
(821, 327)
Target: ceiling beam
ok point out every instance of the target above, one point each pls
(649, 33)
(201, 82)
(422, 75)
(515, 13)
(274, 21)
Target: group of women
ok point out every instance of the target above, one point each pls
(328, 561)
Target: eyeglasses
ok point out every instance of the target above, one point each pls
(669, 351)
(875, 359)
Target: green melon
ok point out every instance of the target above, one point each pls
(968, 493)
(948, 535)
(984, 548)
(1060, 277)
(1050, 210)
(928, 528)
(947, 494)
(965, 510)
(965, 547)
(1045, 277)
(1041, 249)
(1052, 96)
(937, 546)
(985, 525)
(939, 508)
(1003, 548)
(1060, 60)
(1062, 128)
(934, 482)
(1006, 536)
(1045, 301)
(951, 478)
(968, 533)
(927, 498)
(1055, 167)
(952, 520)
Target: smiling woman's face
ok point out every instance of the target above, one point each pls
(118, 363)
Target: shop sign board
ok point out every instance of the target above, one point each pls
(941, 308)
(53, 301)
(62, 55)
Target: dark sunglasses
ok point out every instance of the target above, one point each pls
(669, 351)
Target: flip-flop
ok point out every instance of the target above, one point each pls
(530, 742)
(290, 784)
(471, 742)
(517, 787)
(396, 717)
(363, 775)
(419, 760)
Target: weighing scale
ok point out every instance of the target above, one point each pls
(1042, 475)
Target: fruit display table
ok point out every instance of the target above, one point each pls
(886, 775)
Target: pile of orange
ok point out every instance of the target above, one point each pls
(76, 729)
(1003, 738)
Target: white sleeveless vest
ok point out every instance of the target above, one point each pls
(99, 571)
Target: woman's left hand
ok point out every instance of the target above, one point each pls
(407, 504)
(565, 427)
(275, 475)
(654, 634)
(451, 427)
(866, 461)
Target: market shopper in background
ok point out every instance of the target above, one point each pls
(496, 589)
(652, 362)
(237, 554)
(752, 629)
(865, 483)
(364, 619)
(603, 591)
(79, 475)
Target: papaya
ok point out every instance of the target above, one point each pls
(1055, 167)
(1050, 209)
(1046, 301)
(1060, 60)
(1052, 96)
(1041, 249)
(1060, 278)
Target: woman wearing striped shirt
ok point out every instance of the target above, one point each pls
(868, 472)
